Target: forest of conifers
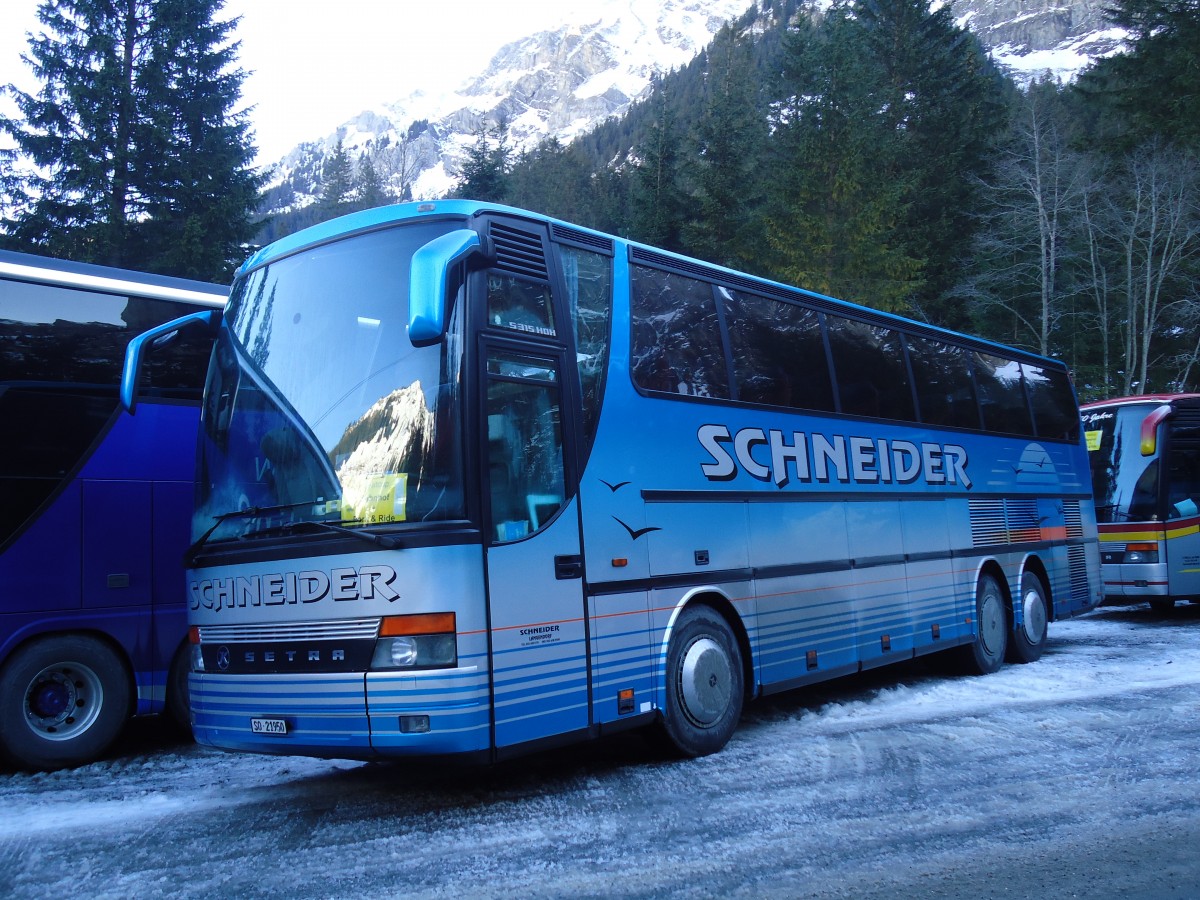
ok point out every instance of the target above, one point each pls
(872, 152)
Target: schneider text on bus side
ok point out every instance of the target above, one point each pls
(821, 458)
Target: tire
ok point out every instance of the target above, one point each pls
(705, 685)
(1028, 640)
(63, 701)
(986, 653)
(177, 689)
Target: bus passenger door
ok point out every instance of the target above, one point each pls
(534, 561)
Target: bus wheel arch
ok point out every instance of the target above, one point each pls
(64, 699)
(704, 678)
(1027, 640)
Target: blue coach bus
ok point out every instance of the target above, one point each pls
(96, 504)
(473, 481)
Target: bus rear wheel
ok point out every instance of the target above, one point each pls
(705, 684)
(986, 653)
(1028, 639)
(63, 701)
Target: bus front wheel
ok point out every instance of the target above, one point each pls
(1028, 639)
(177, 688)
(705, 684)
(63, 701)
(985, 654)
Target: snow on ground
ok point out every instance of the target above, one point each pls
(1070, 776)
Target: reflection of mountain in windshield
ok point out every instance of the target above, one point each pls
(383, 454)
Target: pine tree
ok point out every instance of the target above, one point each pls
(730, 137)
(337, 181)
(371, 190)
(657, 199)
(137, 154)
(485, 171)
(834, 222)
(555, 179)
(942, 103)
(884, 136)
(1151, 90)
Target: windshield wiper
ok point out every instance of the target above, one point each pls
(253, 512)
(387, 543)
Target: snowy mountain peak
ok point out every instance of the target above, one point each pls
(564, 81)
(556, 83)
(1036, 38)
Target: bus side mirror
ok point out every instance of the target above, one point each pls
(148, 341)
(1149, 434)
(434, 280)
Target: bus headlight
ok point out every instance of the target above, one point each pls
(423, 641)
(1141, 553)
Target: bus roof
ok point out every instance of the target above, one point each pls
(1139, 398)
(45, 270)
(371, 219)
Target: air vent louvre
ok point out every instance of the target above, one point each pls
(988, 526)
(1073, 518)
(1077, 565)
(997, 522)
(582, 238)
(1024, 524)
(342, 629)
(519, 252)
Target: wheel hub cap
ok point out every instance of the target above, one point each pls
(63, 701)
(991, 622)
(706, 680)
(50, 698)
(1035, 617)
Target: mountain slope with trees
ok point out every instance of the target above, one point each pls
(871, 149)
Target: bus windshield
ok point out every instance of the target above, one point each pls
(319, 408)
(1124, 481)
(1145, 460)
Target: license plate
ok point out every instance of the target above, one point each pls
(268, 726)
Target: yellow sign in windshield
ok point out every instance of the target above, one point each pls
(376, 498)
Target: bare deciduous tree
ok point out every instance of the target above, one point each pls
(1033, 205)
(1144, 236)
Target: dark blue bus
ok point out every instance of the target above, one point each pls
(95, 504)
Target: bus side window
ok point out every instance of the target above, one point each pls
(778, 352)
(519, 304)
(588, 278)
(869, 367)
(1183, 487)
(945, 390)
(677, 345)
(1054, 411)
(1002, 395)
